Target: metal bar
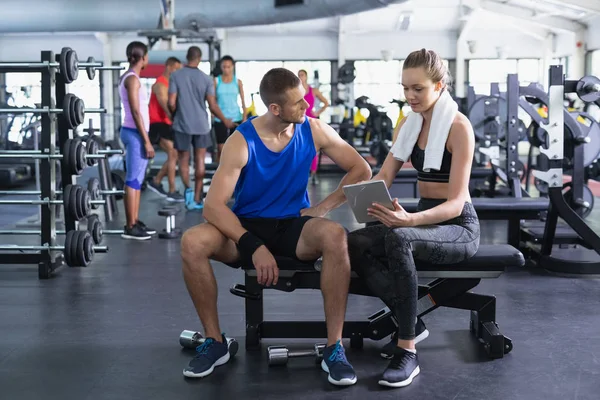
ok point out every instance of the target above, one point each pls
(45, 110)
(36, 232)
(48, 168)
(39, 193)
(43, 202)
(99, 66)
(9, 247)
(29, 65)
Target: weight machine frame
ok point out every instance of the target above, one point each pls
(47, 261)
(553, 178)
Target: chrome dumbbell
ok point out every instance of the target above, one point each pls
(192, 339)
(279, 355)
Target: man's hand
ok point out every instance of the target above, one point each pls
(267, 272)
(149, 150)
(315, 211)
(392, 219)
(229, 124)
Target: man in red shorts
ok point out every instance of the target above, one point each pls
(161, 132)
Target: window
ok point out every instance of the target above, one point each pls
(380, 81)
(89, 92)
(252, 72)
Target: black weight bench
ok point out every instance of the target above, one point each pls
(450, 288)
(510, 209)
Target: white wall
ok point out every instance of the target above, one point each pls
(28, 47)
(292, 46)
(593, 34)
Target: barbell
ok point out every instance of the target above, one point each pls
(75, 155)
(588, 88)
(78, 250)
(68, 65)
(73, 110)
(76, 200)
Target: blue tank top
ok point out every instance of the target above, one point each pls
(274, 185)
(227, 99)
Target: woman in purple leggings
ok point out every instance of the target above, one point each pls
(134, 135)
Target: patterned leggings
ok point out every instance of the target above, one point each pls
(385, 258)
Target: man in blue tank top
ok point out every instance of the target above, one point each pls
(265, 165)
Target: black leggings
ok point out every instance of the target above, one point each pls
(385, 258)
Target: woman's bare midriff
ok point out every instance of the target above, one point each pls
(434, 190)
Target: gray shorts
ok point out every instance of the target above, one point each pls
(183, 141)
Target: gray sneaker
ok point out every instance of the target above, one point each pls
(175, 197)
(156, 188)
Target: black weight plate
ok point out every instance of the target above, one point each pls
(94, 189)
(91, 71)
(72, 66)
(586, 90)
(94, 227)
(67, 199)
(483, 123)
(80, 256)
(85, 202)
(80, 154)
(66, 152)
(87, 248)
(73, 110)
(71, 158)
(68, 252)
(92, 147)
(63, 66)
(79, 111)
(588, 197)
(77, 207)
(67, 113)
(522, 130)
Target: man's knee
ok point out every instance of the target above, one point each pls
(200, 243)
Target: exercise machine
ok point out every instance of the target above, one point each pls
(581, 259)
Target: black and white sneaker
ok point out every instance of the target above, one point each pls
(175, 197)
(401, 370)
(156, 187)
(142, 225)
(135, 233)
(421, 332)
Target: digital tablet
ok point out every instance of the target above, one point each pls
(361, 196)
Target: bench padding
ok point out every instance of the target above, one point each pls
(500, 205)
(489, 258)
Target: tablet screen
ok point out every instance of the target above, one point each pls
(361, 196)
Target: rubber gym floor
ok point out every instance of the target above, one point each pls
(110, 331)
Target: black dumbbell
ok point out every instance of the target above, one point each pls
(192, 339)
(279, 355)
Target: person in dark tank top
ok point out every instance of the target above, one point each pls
(445, 228)
(265, 166)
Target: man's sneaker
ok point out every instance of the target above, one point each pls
(193, 206)
(421, 333)
(209, 355)
(135, 232)
(156, 187)
(175, 197)
(337, 366)
(142, 225)
(188, 195)
(401, 370)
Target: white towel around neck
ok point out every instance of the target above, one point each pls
(444, 112)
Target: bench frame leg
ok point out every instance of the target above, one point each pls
(443, 292)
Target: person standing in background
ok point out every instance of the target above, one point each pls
(161, 132)
(134, 135)
(311, 95)
(228, 88)
(189, 91)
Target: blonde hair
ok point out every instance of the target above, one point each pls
(431, 62)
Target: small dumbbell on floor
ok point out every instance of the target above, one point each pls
(170, 231)
(192, 339)
(279, 355)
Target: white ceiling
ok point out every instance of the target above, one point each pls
(539, 17)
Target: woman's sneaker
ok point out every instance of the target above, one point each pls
(334, 362)
(209, 355)
(135, 232)
(142, 225)
(421, 333)
(401, 370)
